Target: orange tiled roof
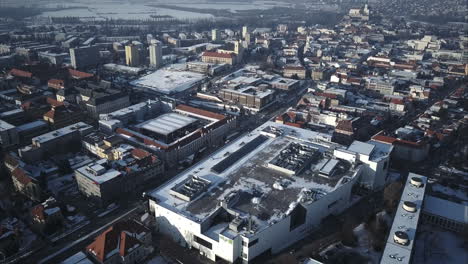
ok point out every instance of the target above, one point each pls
(21, 176)
(218, 55)
(20, 73)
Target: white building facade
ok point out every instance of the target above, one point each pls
(243, 201)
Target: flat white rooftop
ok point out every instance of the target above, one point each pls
(103, 175)
(80, 126)
(361, 148)
(405, 222)
(123, 68)
(241, 168)
(31, 125)
(284, 81)
(167, 81)
(11, 112)
(4, 126)
(167, 123)
(129, 110)
(447, 209)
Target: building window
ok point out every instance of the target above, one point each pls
(203, 242)
(253, 242)
(298, 217)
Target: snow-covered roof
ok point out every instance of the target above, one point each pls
(11, 112)
(129, 110)
(361, 148)
(98, 173)
(446, 209)
(167, 123)
(167, 81)
(80, 126)
(122, 68)
(243, 169)
(380, 150)
(4, 126)
(31, 125)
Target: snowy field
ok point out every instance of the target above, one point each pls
(125, 10)
(233, 6)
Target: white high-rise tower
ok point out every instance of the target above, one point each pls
(155, 50)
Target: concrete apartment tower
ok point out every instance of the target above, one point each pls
(84, 56)
(132, 55)
(155, 50)
(215, 35)
(245, 31)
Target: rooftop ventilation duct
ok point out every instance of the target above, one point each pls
(417, 182)
(401, 238)
(409, 206)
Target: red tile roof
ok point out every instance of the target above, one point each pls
(201, 112)
(328, 95)
(293, 124)
(80, 75)
(54, 102)
(345, 125)
(397, 101)
(140, 153)
(26, 105)
(117, 239)
(396, 141)
(11, 160)
(384, 139)
(20, 73)
(50, 114)
(404, 66)
(218, 55)
(21, 176)
(38, 212)
(56, 83)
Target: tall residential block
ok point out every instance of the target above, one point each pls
(245, 30)
(84, 56)
(215, 35)
(132, 55)
(155, 51)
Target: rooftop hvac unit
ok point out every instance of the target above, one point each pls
(236, 224)
(409, 206)
(417, 182)
(401, 238)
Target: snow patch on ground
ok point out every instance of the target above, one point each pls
(364, 244)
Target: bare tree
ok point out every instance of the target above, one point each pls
(392, 195)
